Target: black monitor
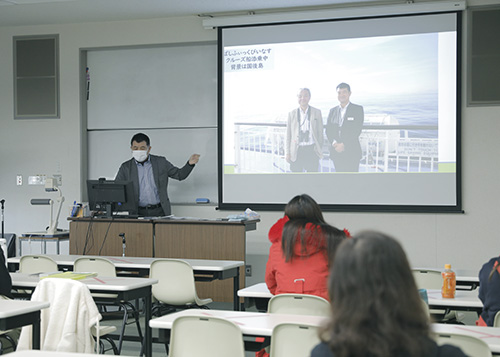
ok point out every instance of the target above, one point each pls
(110, 197)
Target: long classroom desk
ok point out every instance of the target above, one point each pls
(18, 313)
(204, 270)
(127, 289)
(464, 300)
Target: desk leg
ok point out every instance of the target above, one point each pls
(36, 333)
(236, 287)
(148, 348)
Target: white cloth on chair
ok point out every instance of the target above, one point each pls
(65, 325)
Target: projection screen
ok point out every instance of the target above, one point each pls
(399, 132)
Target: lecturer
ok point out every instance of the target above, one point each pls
(150, 174)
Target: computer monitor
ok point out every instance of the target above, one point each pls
(110, 197)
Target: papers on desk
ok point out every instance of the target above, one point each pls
(68, 275)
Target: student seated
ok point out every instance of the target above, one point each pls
(489, 291)
(6, 294)
(303, 245)
(376, 308)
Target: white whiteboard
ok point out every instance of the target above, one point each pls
(168, 93)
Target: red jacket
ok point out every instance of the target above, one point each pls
(306, 273)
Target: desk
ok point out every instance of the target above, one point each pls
(33, 353)
(18, 313)
(258, 294)
(167, 238)
(254, 324)
(127, 289)
(204, 270)
(464, 300)
(490, 335)
(43, 238)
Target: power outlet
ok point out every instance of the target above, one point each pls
(248, 270)
(19, 180)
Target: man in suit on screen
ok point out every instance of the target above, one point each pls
(304, 135)
(344, 125)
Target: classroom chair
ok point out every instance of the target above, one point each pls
(205, 336)
(299, 304)
(432, 279)
(293, 340)
(496, 322)
(470, 345)
(105, 267)
(4, 337)
(66, 325)
(176, 287)
(32, 264)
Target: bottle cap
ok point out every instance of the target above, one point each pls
(447, 266)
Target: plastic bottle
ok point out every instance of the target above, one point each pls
(449, 282)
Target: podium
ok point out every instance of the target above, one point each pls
(167, 238)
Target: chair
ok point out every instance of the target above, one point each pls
(31, 264)
(299, 304)
(176, 287)
(496, 322)
(4, 337)
(66, 325)
(105, 267)
(293, 340)
(471, 346)
(432, 279)
(205, 336)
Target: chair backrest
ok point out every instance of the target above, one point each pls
(496, 322)
(471, 346)
(101, 266)
(205, 336)
(293, 340)
(66, 325)
(30, 264)
(428, 278)
(175, 282)
(299, 304)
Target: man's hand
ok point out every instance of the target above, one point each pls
(339, 147)
(194, 159)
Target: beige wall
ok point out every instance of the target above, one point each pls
(32, 147)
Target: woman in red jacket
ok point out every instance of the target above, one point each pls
(303, 245)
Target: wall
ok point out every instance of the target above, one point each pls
(55, 146)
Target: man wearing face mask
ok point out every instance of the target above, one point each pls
(150, 174)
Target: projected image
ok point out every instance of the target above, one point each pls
(393, 112)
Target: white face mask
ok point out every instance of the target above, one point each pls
(140, 155)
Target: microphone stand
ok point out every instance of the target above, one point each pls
(3, 207)
(123, 243)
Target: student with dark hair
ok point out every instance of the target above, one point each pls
(303, 245)
(150, 174)
(489, 291)
(376, 308)
(6, 294)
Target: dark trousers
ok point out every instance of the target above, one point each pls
(307, 160)
(345, 163)
(151, 212)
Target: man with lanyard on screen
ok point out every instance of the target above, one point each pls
(150, 174)
(344, 125)
(304, 135)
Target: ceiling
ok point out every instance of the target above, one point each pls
(41, 12)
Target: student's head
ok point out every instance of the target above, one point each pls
(304, 96)
(307, 226)
(376, 308)
(343, 93)
(304, 207)
(140, 147)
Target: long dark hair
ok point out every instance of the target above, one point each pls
(376, 308)
(303, 210)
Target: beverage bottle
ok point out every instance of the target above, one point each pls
(449, 282)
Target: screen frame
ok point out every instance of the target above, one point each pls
(457, 208)
(124, 188)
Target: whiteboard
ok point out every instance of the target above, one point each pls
(168, 93)
(173, 86)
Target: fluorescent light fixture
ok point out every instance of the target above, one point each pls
(325, 14)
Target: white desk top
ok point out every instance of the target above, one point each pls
(145, 263)
(490, 335)
(105, 283)
(462, 299)
(10, 308)
(38, 353)
(250, 323)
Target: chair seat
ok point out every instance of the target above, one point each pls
(103, 330)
